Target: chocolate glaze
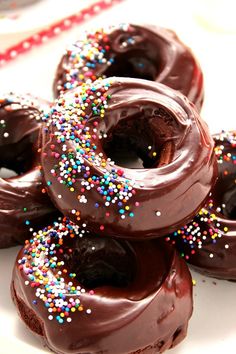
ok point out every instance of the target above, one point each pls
(22, 203)
(210, 243)
(170, 192)
(145, 52)
(148, 314)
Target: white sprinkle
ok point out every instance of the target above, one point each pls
(227, 246)
(158, 213)
(211, 255)
(88, 311)
(6, 135)
(50, 317)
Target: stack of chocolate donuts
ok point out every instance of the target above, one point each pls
(108, 176)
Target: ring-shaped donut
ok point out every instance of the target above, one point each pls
(22, 203)
(208, 243)
(137, 298)
(127, 50)
(163, 129)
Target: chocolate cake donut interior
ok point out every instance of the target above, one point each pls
(100, 261)
(139, 140)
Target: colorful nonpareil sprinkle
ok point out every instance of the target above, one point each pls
(195, 234)
(45, 271)
(207, 224)
(12, 101)
(86, 58)
(225, 141)
(75, 119)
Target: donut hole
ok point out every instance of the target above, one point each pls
(229, 203)
(225, 190)
(137, 54)
(101, 262)
(19, 134)
(134, 64)
(232, 214)
(18, 158)
(139, 142)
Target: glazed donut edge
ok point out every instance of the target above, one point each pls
(131, 50)
(123, 202)
(23, 204)
(208, 242)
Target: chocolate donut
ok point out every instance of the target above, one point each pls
(209, 241)
(86, 294)
(93, 123)
(126, 50)
(22, 203)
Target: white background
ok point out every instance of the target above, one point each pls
(211, 33)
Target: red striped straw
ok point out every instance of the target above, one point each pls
(55, 29)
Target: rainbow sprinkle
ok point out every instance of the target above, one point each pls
(206, 226)
(45, 271)
(87, 57)
(12, 101)
(76, 140)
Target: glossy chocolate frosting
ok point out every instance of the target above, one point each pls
(127, 50)
(209, 241)
(165, 131)
(146, 310)
(22, 203)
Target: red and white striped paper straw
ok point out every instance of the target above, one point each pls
(55, 29)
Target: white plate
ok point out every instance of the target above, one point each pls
(212, 328)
